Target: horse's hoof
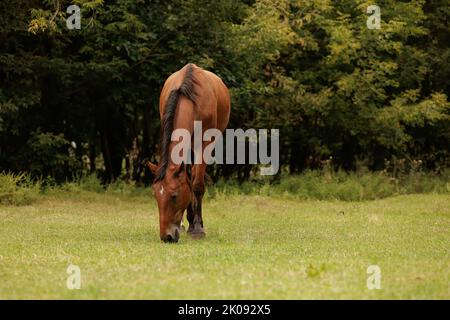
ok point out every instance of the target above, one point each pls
(196, 232)
(197, 235)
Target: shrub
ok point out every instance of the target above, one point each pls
(52, 156)
(339, 185)
(91, 183)
(17, 189)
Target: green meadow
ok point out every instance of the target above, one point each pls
(258, 246)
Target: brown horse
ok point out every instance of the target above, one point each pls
(190, 94)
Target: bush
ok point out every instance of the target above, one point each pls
(84, 183)
(91, 183)
(18, 189)
(339, 185)
(52, 156)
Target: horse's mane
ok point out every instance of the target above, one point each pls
(186, 89)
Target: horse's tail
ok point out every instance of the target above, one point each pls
(187, 90)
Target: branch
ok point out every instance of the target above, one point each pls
(57, 5)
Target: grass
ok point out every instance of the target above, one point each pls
(257, 247)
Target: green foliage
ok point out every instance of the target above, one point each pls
(89, 183)
(340, 185)
(18, 189)
(362, 185)
(310, 68)
(50, 154)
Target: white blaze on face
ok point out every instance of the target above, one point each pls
(161, 191)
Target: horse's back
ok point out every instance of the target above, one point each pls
(213, 99)
(223, 100)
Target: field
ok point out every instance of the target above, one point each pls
(257, 247)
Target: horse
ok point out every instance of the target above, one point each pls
(190, 94)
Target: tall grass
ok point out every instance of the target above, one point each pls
(18, 189)
(326, 184)
(91, 183)
(339, 185)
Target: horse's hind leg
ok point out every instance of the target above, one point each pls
(194, 210)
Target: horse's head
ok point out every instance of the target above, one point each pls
(173, 194)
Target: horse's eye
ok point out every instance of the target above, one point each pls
(173, 197)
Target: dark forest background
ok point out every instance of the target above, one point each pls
(75, 102)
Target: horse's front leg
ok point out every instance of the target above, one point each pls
(194, 210)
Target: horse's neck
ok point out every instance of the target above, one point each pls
(184, 120)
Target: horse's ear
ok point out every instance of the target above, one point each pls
(153, 167)
(180, 169)
(189, 171)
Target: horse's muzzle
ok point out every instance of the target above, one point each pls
(171, 237)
